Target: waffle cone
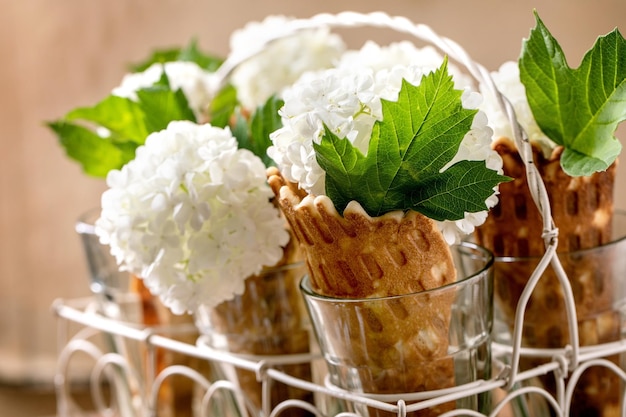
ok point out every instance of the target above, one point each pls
(177, 392)
(582, 210)
(582, 207)
(268, 319)
(360, 257)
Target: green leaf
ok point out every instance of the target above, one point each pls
(460, 188)
(581, 108)
(253, 132)
(264, 121)
(160, 106)
(124, 118)
(222, 107)
(240, 128)
(96, 155)
(417, 137)
(160, 56)
(128, 124)
(190, 53)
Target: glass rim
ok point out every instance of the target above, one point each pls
(580, 252)
(277, 268)
(482, 253)
(85, 223)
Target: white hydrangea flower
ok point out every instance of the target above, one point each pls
(192, 216)
(507, 80)
(283, 61)
(187, 76)
(404, 53)
(347, 100)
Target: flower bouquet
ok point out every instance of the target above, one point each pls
(569, 116)
(170, 85)
(188, 211)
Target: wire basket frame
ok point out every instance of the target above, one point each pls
(119, 373)
(107, 366)
(569, 362)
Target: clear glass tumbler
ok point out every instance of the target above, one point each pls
(122, 297)
(267, 320)
(407, 344)
(597, 278)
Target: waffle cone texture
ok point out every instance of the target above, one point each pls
(268, 319)
(358, 256)
(582, 210)
(177, 392)
(398, 346)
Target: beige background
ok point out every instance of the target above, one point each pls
(58, 54)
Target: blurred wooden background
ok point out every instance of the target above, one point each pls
(58, 54)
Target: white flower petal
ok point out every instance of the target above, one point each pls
(282, 62)
(195, 229)
(347, 100)
(185, 75)
(507, 80)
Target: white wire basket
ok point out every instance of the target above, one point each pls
(566, 364)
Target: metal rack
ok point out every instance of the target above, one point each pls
(84, 313)
(565, 364)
